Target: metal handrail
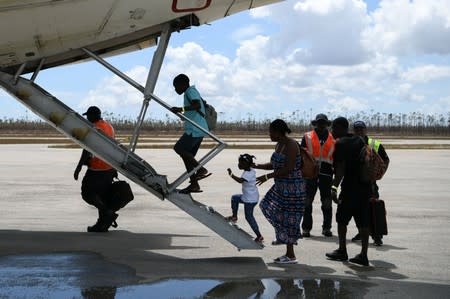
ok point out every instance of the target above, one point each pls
(149, 95)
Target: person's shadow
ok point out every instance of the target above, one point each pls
(387, 247)
(379, 269)
(320, 238)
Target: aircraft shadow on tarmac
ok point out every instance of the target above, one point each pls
(140, 251)
(17, 241)
(120, 246)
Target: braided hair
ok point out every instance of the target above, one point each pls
(247, 158)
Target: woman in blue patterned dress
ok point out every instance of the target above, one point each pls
(283, 205)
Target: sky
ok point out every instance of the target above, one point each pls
(297, 57)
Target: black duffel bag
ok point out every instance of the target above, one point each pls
(120, 195)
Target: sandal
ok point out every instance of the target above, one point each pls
(277, 242)
(231, 218)
(285, 260)
(201, 176)
(259, 239)
(191, 189)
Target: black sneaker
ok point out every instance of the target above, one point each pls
(94, 228)
(337, 255)
(306, 234)
(360, 260)
(356, 238)
(377, 241)
(97, 228)
(107, 220)
(327, 233)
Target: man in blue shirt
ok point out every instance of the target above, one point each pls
(188, 144)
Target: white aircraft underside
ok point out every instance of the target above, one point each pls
(56, 29)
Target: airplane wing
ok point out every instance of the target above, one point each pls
(55, 30)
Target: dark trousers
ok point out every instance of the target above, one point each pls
(187, 147)
(95, 187)
(323, 183)
(248, 208)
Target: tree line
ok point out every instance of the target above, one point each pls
(392, 124)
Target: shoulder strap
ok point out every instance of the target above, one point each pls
(198, 110)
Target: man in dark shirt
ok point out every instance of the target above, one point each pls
(353, 199)
(360, 129)
(320, 143)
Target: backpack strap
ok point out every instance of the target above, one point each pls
(198, 110)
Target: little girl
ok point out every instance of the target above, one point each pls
(249, 196)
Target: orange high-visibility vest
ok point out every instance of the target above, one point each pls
(322, 153)
(96, 163)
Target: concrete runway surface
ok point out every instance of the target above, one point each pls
(42, 216)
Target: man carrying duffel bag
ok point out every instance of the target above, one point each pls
(378, 223)
(97, 187)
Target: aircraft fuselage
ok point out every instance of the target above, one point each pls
(56, 29)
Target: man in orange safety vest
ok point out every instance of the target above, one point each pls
(320, 143)
(98, 178)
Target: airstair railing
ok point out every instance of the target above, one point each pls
(149, 95)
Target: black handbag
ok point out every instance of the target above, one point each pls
(120, 194)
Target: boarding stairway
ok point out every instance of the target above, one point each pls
(81, 131)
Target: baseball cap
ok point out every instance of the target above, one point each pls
(359, 124)
(93, 110)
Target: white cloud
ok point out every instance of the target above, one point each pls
(405, 92)
(113, 92)
(261, 12)
(441, 106)
(246, 32)
(410, 27)
(316, 61)
(321, 32)
(347, 104)
(254, 82)
(426, 73)
(325, 7)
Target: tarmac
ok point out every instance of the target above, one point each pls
(43, 224)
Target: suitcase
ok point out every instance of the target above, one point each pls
(378, 223)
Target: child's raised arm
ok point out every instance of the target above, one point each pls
(237, 179)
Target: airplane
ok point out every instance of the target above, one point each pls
(42, 34)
